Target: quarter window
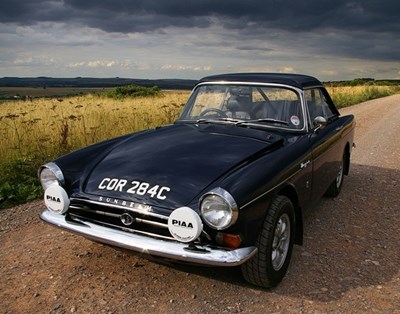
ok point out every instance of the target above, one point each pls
(317, 104)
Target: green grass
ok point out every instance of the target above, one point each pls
(18, 183)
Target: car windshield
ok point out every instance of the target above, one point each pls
(248, 105)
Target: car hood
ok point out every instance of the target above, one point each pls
(170, 166)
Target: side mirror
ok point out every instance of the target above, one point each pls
(319, 123)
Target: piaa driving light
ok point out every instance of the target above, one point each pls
(50, 174)
(219, 209)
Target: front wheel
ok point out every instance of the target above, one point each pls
(275, 243)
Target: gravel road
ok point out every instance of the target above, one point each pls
(349, 263)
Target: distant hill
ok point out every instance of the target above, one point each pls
(89, 82)
(93, 82)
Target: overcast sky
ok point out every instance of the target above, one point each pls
(330, 39)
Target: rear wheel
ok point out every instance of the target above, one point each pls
(336, 186)
(275, 243)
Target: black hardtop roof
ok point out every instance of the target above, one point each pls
(296, 80)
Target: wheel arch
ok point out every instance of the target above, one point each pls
(347, 159)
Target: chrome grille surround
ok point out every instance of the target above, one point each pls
(145, 220)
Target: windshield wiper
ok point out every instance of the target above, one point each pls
(202, 121)
(231, 120)
(266, 120)
(219, 120)
(237, 122)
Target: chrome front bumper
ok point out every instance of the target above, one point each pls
(147, 245)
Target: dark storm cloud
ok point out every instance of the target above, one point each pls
(30, 12)
(149, 15)
(366, 29)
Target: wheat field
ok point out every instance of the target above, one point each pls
(49, 127)
(344, 96)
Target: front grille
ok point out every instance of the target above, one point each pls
(143, 222)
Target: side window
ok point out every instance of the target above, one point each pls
(317, 105)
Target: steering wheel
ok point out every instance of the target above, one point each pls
(219, 112)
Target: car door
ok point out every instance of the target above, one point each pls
(325, 141)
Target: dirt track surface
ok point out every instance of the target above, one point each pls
(349, 262)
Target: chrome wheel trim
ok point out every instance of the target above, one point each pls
(281, 241)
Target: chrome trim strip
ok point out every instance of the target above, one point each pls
(153, 223)
(142, 244)
(99, 212)
(271, 189)
(121, 207)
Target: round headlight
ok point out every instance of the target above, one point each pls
(50, 174)
(219, 209)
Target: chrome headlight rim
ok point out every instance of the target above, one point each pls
(230, 201)
(58, 174)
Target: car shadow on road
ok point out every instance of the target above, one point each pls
(350, 241)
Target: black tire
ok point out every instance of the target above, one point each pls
(267, 268)
(336, 185)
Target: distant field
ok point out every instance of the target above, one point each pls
(21, 92)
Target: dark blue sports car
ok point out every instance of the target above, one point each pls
(225, 185)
